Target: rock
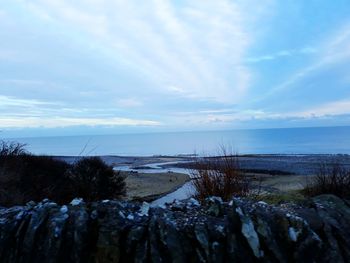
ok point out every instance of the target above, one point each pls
(214, 204)
(77, 201)
(31, 203)
(262, 203)
(293, 235)
(249, 233)
(335, 215)
(144, 209)
(130, 217)
(216, 231)
(192, 202)
(201, 234)
(64, 209)
(178, 206)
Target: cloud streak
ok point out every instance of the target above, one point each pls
(193, 48)
(59, 122)
(170, 63)
(22, 103)
(282, 54)
(326, 110)
(334, 50)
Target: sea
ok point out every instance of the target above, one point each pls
(320, 140)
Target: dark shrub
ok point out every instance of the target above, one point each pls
(330, 179)
(45, 177)
(25, 177)
(8, 149)
(94, 180)
(219, 176)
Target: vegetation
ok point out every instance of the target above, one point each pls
(330, 179)
(219, 176)
(94, 180)
(25, 177)
(284, 197)
(11, 149)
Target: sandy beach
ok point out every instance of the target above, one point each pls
(149, 186)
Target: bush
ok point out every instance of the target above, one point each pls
(45, 177)
(94, 180)
(8, 149)
(25, 177)
(219, 176)
(330, 179)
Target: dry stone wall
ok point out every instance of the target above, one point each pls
(237, 231)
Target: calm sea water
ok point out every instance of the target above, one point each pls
(330, 140)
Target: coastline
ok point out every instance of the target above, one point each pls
(299, 164)
(276, 173)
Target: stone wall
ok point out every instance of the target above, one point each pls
(238, 231)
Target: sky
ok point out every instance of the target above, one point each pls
(125, 66)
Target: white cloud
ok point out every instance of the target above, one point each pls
(16, 102)
(34, 114)
(334, 108)
(282, 54)
(198, 48)
(326, 110)
(25, 113)
(112, 57)
(221, 116)
(56, 122)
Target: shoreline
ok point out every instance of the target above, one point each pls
(187, 156)
(278, 173)
(298, 164)
(152, 198)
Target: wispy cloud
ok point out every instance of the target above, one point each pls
(129, 62)
(326, 110)
(335, 49)
(334, 108)
(24, 113)
(282, 54)
(58, 122)
(17, 102)
(195, 48)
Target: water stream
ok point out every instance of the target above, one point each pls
(184, 192)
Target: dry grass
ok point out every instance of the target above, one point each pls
(330, 179)
(219, 176)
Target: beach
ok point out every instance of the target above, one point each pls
(150, 186)
(153, 177)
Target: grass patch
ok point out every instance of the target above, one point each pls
(295, 197)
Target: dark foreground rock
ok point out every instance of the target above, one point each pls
(238, 231)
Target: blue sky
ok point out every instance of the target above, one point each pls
(116, 66)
